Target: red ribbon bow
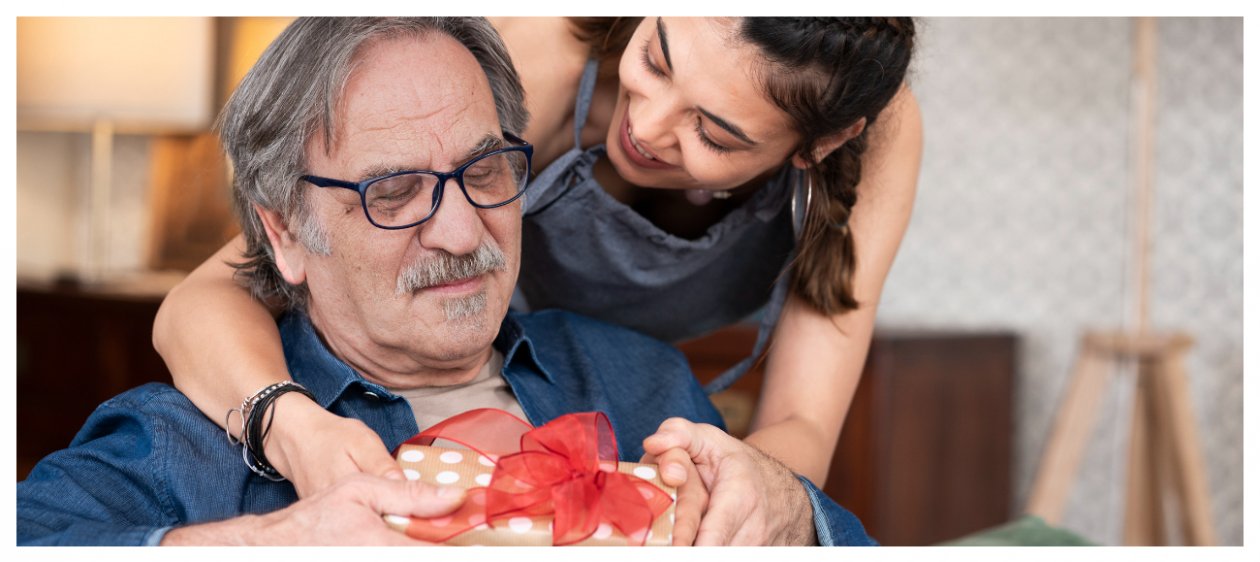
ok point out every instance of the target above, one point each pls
(567, 467)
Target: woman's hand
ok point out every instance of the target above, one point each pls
(752, 498)
(693, 497)
(315, 448)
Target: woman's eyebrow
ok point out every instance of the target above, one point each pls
(660, 33)
(728, 126)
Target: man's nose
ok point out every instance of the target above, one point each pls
(456, 227)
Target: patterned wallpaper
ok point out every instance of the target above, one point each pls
(1022, 223)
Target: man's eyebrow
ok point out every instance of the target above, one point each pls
(486, 144)
(728, 126)
(660, 33)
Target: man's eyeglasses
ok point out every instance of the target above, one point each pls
(406, 199)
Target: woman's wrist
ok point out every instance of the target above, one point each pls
(294, 413)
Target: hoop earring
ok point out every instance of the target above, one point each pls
(798, 219)
(809, 201)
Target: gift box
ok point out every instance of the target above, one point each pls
(559, 484)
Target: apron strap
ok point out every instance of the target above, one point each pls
(586, 90)
(778, 297)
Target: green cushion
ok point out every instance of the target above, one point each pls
(1028, 530)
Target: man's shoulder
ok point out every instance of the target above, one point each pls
(151, 403)
(157, 398)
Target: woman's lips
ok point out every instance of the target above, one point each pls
(637, 155)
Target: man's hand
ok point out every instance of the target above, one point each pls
(315, 448)
(753, 499)
(348, 513)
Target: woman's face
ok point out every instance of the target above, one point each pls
(689, 115)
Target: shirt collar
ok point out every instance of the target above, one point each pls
(327, 377)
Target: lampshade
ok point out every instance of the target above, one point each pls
(143, 75)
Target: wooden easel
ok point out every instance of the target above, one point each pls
(1163, 448)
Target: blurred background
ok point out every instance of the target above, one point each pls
(1023, 239)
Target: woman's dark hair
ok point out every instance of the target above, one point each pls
(826, 74)
(607, 37)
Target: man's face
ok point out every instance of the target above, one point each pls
(410, 104)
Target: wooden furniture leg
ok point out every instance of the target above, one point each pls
(1067, 443)
(1144, 514)
(1189, 474)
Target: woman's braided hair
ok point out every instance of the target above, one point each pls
(827, 74)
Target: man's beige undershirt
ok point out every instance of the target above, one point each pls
(487, 390)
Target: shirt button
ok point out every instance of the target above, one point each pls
(372, 395)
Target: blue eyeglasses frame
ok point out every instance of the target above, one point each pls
(518, 145)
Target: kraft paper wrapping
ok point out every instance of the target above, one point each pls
(465, 468)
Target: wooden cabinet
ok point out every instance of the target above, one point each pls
(76, 349)
(925, 454)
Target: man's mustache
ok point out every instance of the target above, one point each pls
(446, 268)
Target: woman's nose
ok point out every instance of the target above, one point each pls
(652, 125)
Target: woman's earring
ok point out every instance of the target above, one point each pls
(799, 215)
(703, 196)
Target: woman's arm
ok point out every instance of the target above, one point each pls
(816, 360)
(549, 60)
(222, 346)
(219, 343)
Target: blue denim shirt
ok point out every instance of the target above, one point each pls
(148, 460)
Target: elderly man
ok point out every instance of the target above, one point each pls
(403, 278)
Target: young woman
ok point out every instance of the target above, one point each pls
(695, 170)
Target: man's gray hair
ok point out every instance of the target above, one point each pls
(291, 93)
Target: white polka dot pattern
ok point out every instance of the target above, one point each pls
(645, 472)
(464, 469)
(520, 525)
(603, 531)
(447, 477)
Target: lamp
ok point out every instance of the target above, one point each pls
(113, 75)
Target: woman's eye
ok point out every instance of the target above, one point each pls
(649, 65)
(708, 142)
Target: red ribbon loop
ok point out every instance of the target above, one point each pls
(567, 468)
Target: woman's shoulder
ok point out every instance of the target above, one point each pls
(550, 60)
(891, 163)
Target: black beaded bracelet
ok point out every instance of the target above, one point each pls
(257, 413)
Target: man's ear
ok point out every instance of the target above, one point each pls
(830, 143)
(290, 255)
